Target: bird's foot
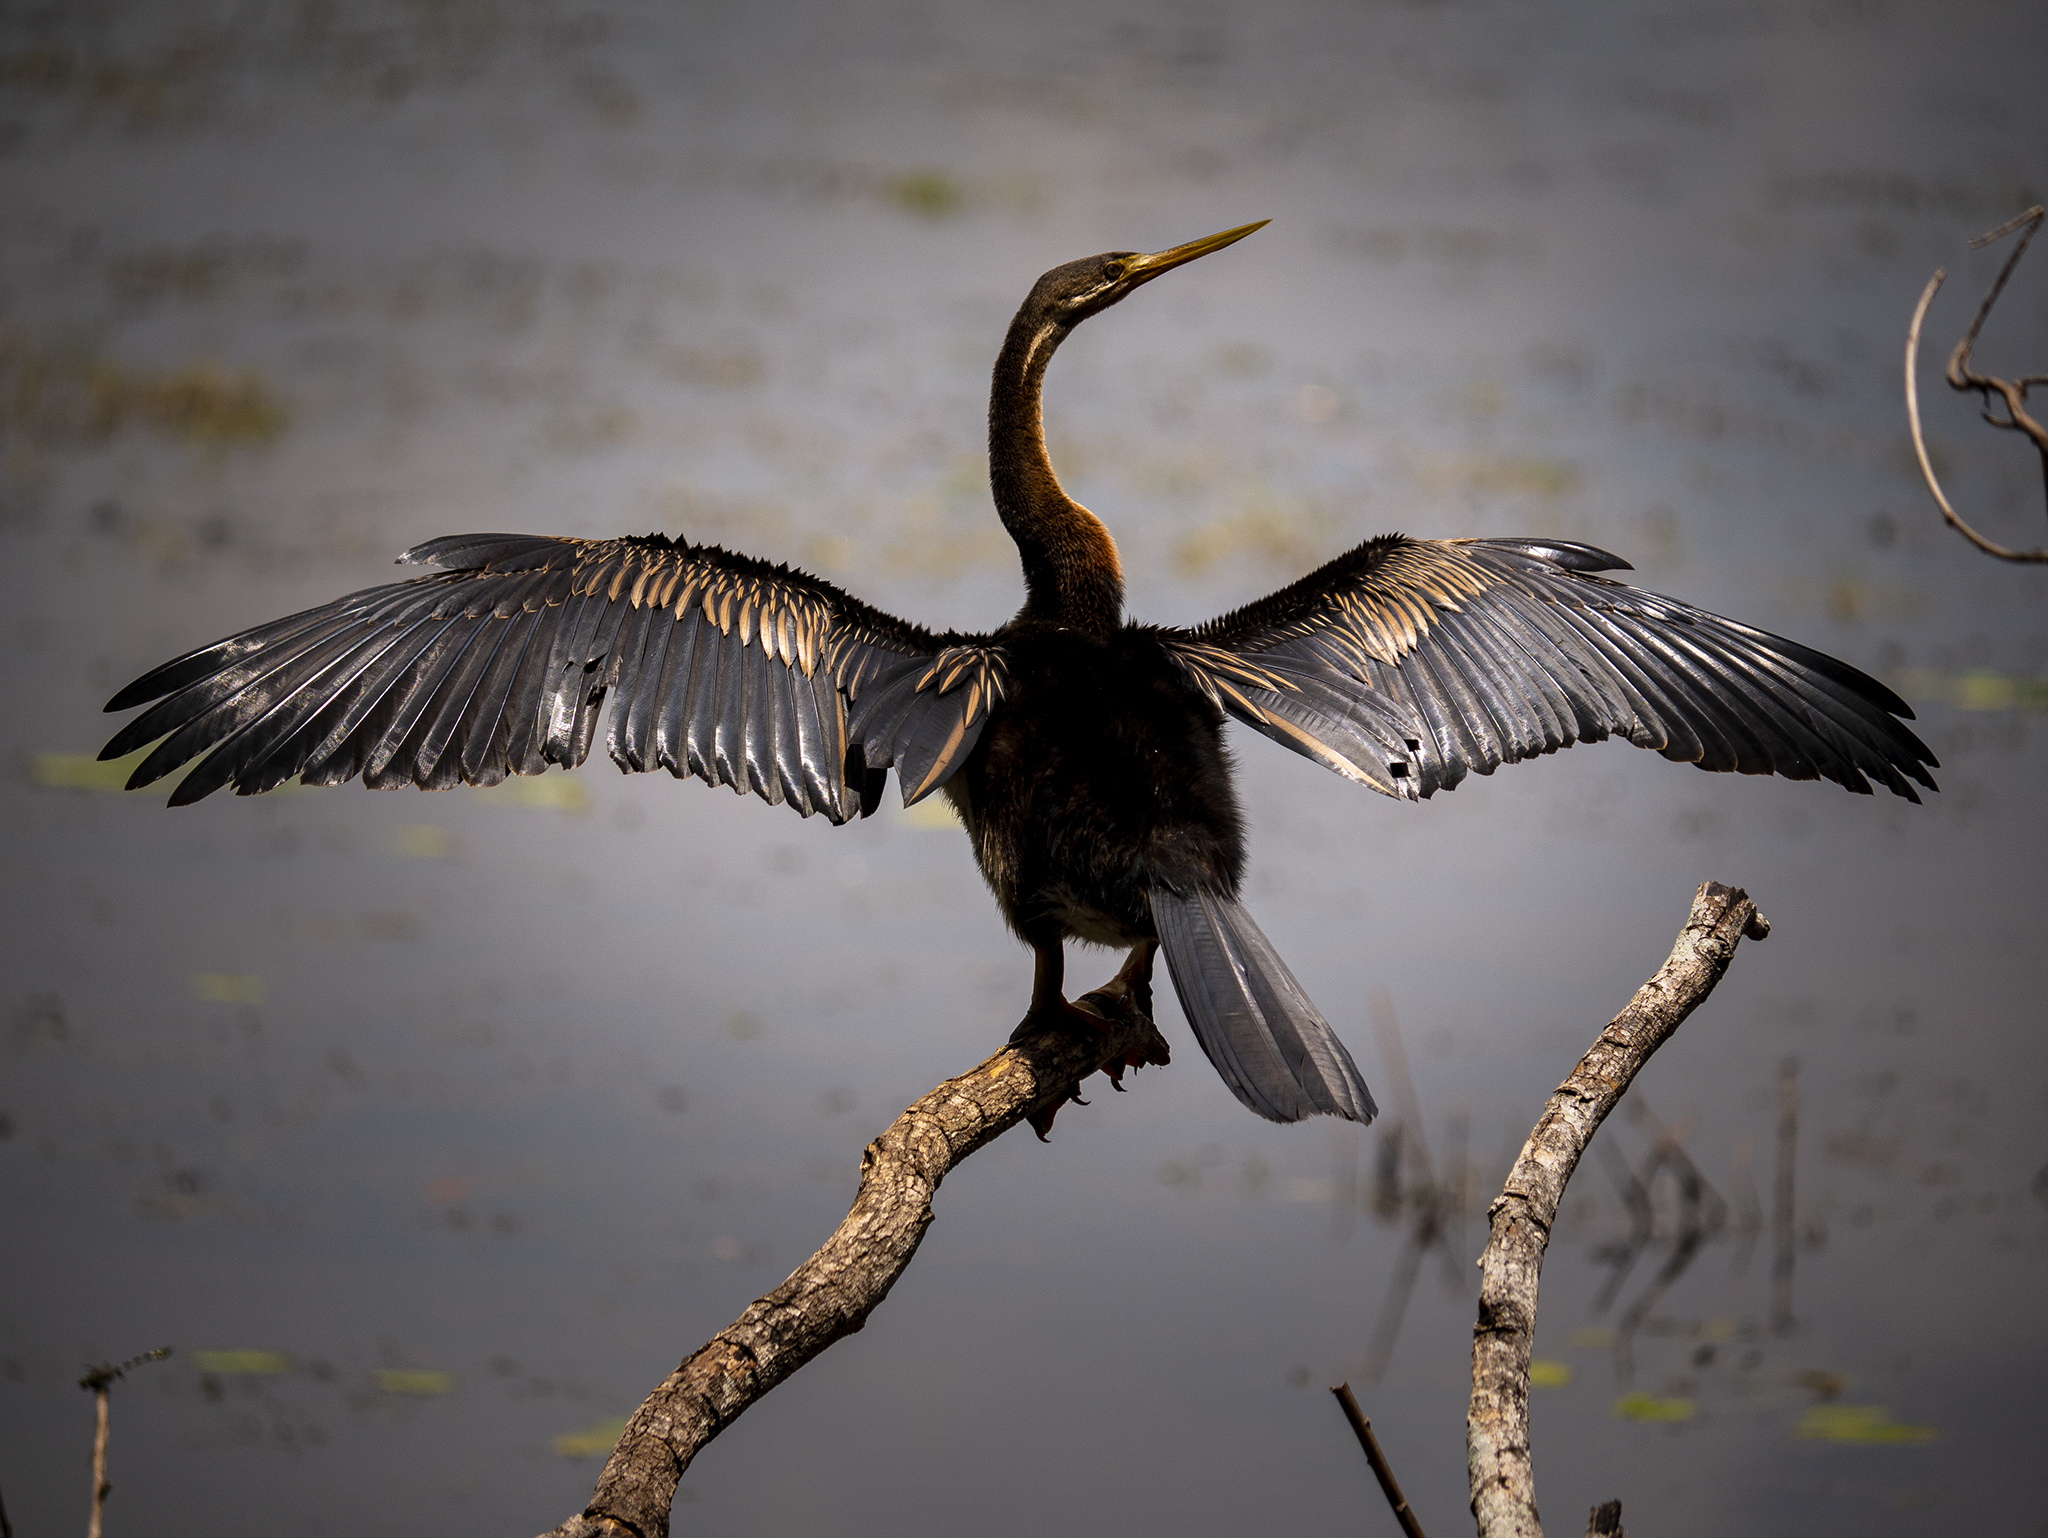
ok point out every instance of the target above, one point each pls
(1074, 1019)
(1112, 1005)
(1119, 1000)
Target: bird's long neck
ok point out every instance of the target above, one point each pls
(1071, 573)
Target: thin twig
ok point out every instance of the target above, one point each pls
(1382, 1470)
(1502, 1478)
(100, 1488)
(100, 1379)
(2012, 392)
(831, 1295)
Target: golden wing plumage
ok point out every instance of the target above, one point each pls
(1406, 664)
(735, 670)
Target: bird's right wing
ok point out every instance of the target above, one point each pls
(740, 672)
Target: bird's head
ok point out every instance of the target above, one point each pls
(1072, 292)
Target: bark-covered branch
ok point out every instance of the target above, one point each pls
(1497, 1422)
(831, 1295)
(1390, 1487)
(2011, 393)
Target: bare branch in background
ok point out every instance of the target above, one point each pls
(2012, 393)
(1381, 1469)
(100, 1379)
(831, 1295)
(1502, 1478)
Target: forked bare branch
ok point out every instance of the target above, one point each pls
(2012, 393)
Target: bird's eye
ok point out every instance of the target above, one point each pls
(1112, 270)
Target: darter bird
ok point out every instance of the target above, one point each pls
(1082, 750)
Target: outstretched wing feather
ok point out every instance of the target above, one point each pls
(1440, 658)
(502, 662)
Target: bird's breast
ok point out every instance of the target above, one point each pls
(1101, 774)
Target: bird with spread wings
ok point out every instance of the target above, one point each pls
(1083, 751)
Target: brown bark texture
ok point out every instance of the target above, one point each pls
(831, 1295)
(1497, 1423)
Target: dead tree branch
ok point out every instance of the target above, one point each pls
(831, 1295)
(2011, 393)
(1383, 1471)
(1497, 1423)
(100, 1379)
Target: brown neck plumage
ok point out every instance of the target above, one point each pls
(1071, 573)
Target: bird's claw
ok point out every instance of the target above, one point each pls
(1041, 1119)
(1095, 1012)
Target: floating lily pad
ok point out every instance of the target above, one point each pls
(1858, 1424)
(422, 841)
(227, 988)
(413, 1380)
(243, 1363)
(593, 1441)
(1644, 1407)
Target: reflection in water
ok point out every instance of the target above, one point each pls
(1784, 1220)
(1407, 1193)
(1702, 1214)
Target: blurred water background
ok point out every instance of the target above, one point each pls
(433, 1130)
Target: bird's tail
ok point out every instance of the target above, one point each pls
(1274, 1049)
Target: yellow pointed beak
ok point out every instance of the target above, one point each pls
(1143, 269)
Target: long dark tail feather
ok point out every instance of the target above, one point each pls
(1274, 1049)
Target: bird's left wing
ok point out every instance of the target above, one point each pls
(1406, 664)
(740, 672)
